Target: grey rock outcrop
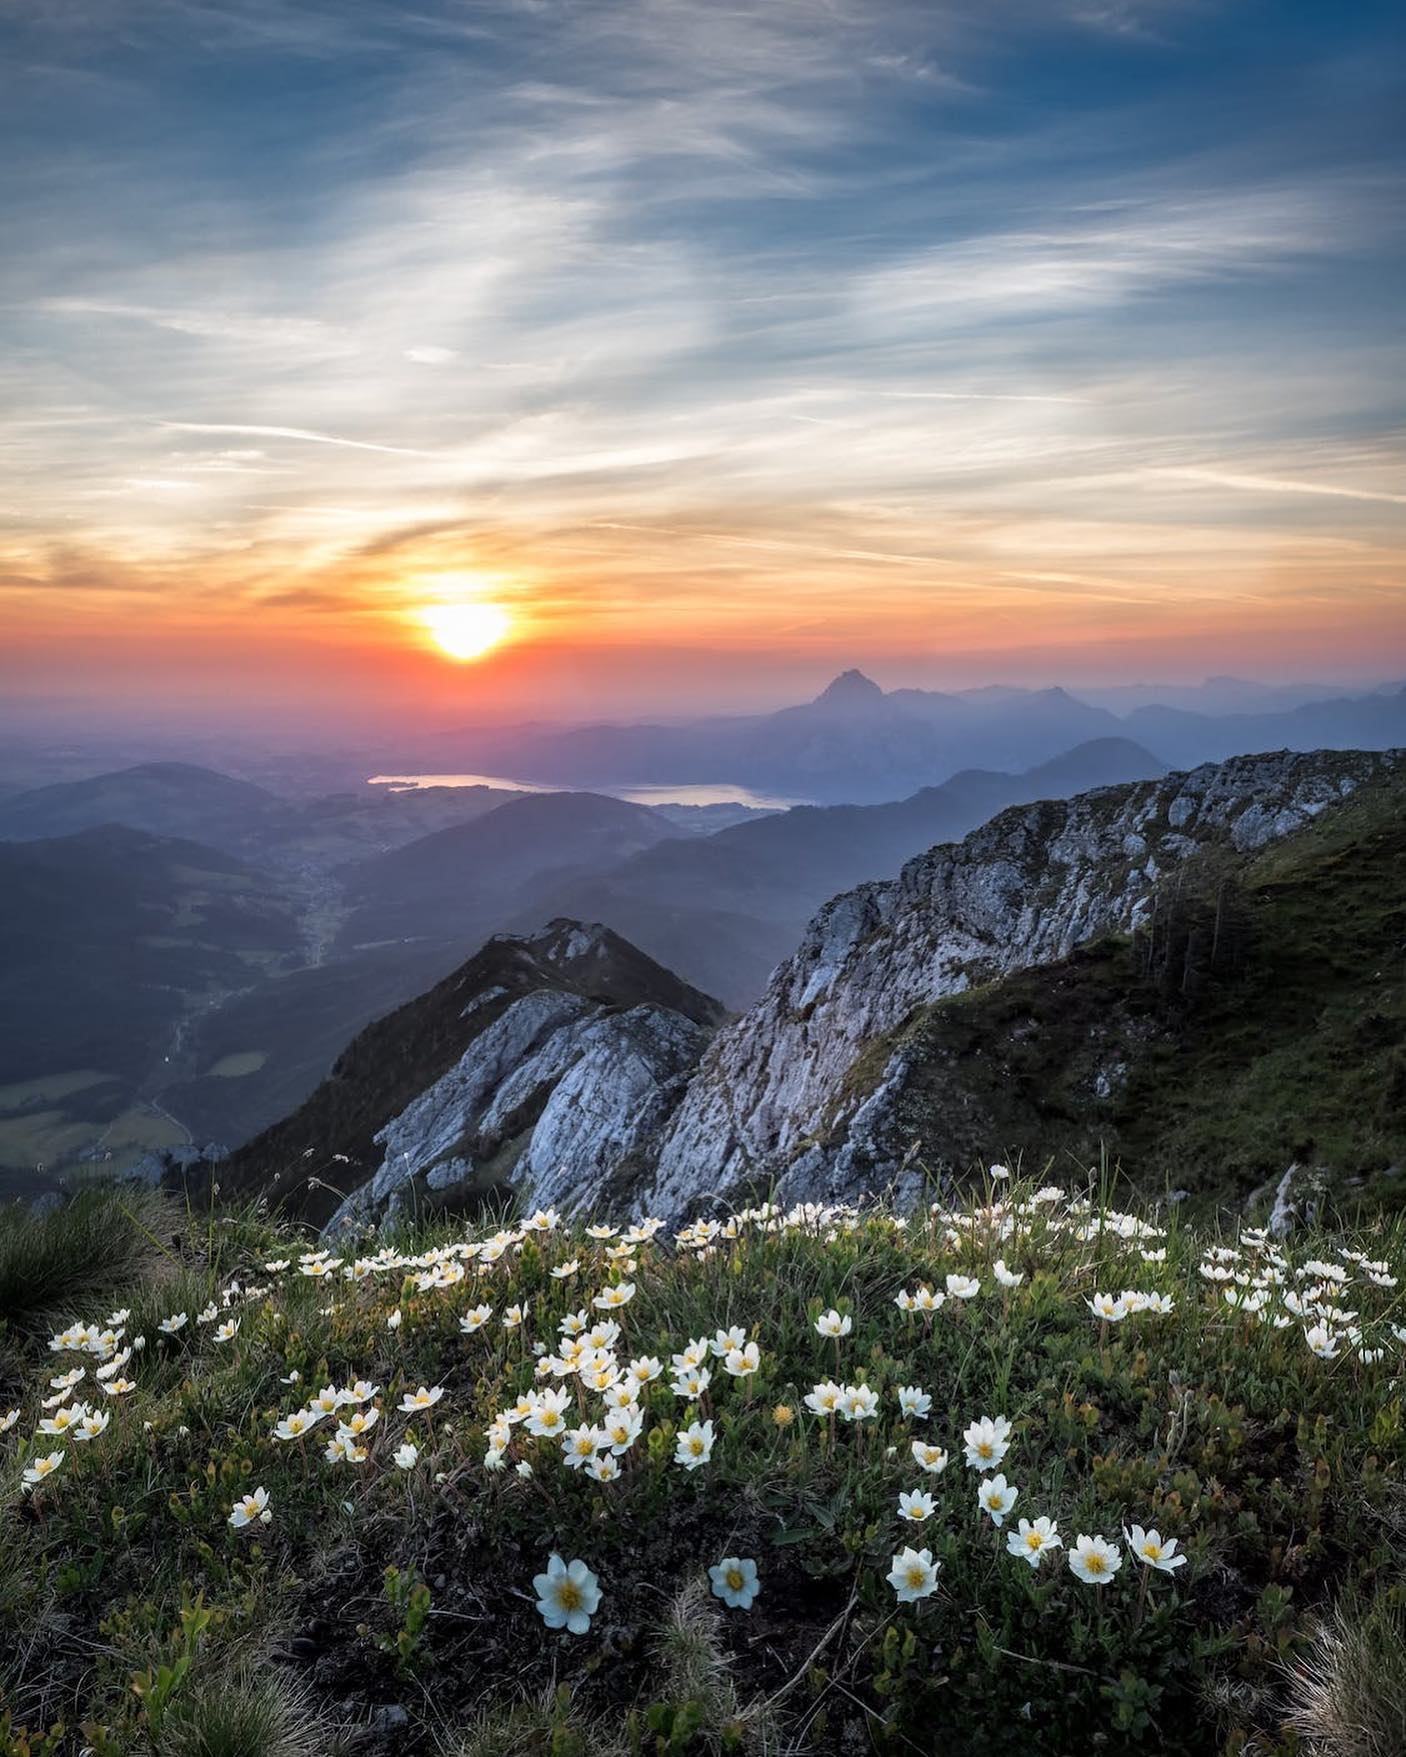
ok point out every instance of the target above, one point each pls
(560, 1095)
(784, 1097)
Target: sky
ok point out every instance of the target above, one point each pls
(716, 346)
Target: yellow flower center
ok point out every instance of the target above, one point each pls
(917, 1574)
(1093, 1564)
(735, 1579)
(1034, 1541)
(569, 1595)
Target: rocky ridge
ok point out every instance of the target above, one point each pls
(546, 1057)
(783, 1096)
(570, 1069)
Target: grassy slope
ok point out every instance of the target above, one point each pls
(1289, 1046)
(1280, 1474)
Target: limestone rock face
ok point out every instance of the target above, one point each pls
(560, 1088)
(783, 1094)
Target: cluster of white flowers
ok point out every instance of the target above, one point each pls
(986, 1441)
(581, 1394)
(1257, 1281)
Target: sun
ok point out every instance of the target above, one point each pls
(466, 630)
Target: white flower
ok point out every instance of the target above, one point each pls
(568, 1595)
(860, 1403)
(425, 1398)
(996, 1496)
(42, 1467)
(394, 1320)
(735, 1582)
(725, 1341)
(826, 1398)
(548, 1417)
(963, 1286)
(695, 1445)
(1154, 1551)
(604, 1467)
(741, 1362)
(987, 1442)
(914, 1403)
(475, 1319)
(1006, 1277)
(407, 1456)
(92, 1424)
(1111, 1307)
(581, 1445)
(832, 1324)
(177, 1321)
(8, 1420)
(1094, 1560)
(916, 1505)
(931, 1458)
(295, 1426)
(62, 1420)
(1322, 1341)
(611, 1298)
(343, 1449)
(1032, 1538)
(253, 1509)
(623, 1427)
(913, 1575)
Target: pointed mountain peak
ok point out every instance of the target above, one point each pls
(850, 689)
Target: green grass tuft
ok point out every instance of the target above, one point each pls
(89, 1253)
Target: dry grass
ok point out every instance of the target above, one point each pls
(1349, 1693)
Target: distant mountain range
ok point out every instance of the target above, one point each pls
(202, 805)
(856, 743)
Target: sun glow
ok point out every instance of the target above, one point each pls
(466, 631)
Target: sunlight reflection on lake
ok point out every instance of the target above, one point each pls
(683, 793)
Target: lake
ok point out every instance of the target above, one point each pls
(682, 793)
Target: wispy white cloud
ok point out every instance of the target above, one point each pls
(298, 433)
(1280, 485)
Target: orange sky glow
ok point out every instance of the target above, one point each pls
(720, 349)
